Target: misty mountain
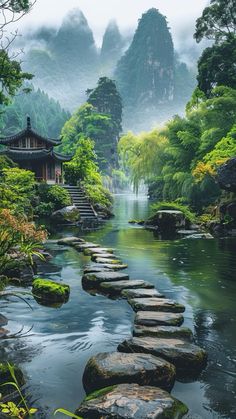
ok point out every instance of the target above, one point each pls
(153, 82)
(112, 48)
(149, 78)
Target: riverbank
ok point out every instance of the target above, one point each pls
(199, 274)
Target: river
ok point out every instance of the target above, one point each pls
(201, 274)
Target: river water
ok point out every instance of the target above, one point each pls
(201, 274)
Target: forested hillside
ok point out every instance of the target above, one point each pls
(47, 116)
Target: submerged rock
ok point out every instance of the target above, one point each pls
(199, 236)
(131, 401)
(188, 358)
(106, 369)
(163, 332)
(50, 291)
(70, 241)
(114, 288)
(153, 318)
(168, 220)
(156, 304)
(141, 293)
(95, 279)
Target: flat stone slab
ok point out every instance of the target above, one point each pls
(111, 261)
(82, 246)
(131, 401)
(95, 279)
(97, 268)
(156, 304)
(104, 255)
(188, 358)
(106, 267)
(90, 251)
(113, 288)
(154, 318)
(107, 369)
(70, 241)
(141, 293)
(163, 332)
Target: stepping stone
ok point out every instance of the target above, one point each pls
(153, 318)
(106, 267)
(107, 369)
(156, 304)
(131, 401)
(82, 246)
(90, 251)
(102, 255)
(188, 358)
(141, 293)
(163, 332)
(113, 288)
(70, 241)
(111, 261)
(95, 279)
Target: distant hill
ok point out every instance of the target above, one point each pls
(153, 82)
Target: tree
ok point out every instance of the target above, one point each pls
(86, 122)
(218, 21)
(107, 100)
(216, 66)
(11, 75)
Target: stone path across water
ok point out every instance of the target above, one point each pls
(126, 383)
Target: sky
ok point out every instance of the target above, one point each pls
(181, 14)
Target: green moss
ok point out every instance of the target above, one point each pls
(99, 393)
(177, 411)
(50, 290)
(3, 282)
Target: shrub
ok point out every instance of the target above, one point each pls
(98, 195)
(52, 198)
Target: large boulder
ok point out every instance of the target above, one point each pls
(168, 220)
(66, 215)
(131, 401)
(107, 369)
(226, 175)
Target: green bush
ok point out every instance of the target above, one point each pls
(175, 206)
(98, 195)
(52, 198)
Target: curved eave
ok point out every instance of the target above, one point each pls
(61, 157)
(23, 155)
(28, 133)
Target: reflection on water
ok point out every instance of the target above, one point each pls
(198, 273)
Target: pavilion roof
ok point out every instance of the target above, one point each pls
(34, 154)
(28, 132)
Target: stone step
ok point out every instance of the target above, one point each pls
(141, 293)
(154, 318)
(102, 255)
(89, 252)
(131, 401)
(93, 280)
(108, 369)
(156, 304)
(110, 261)
(115, 288)
(86, 245)
(188, 358)
(104, 267)
(163, 332)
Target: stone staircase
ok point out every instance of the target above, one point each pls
(80, 200)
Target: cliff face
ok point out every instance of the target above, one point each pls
(145, 74)
(112, 43)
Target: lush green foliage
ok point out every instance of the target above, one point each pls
(86, 122)
(217, 64)
(52, 198)
(168, 160)
(47, 116)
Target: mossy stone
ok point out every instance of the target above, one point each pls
(50, 291)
